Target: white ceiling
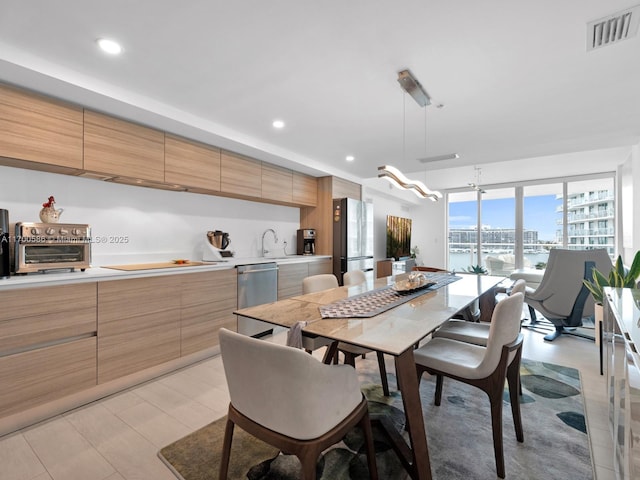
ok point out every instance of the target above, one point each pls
(515, 76)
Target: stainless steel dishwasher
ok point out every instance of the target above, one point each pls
(257, 284)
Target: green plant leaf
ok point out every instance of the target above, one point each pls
(634, 270)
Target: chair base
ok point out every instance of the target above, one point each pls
(560, 330)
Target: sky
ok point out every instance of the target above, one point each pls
(539, 214)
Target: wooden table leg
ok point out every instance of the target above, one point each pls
(487, 303)
(407, 377)
(331, 351)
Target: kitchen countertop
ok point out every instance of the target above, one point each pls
(99, 273)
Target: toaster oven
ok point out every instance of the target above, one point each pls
(40, 247)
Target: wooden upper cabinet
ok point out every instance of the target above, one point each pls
(191, 164)
(39, 129)
(345, 189)
(305, 190)
(240, 176)
(277, 183)
(120, 148)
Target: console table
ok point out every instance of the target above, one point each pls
(621, 337)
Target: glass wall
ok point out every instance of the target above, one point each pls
(463, 230)
(515, 226)
(591, 215)
(543, 222)
(498, 230)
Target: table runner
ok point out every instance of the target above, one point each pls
(370, 304)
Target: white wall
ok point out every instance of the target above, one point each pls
(634, 245)
(160, 225)
(427, 226)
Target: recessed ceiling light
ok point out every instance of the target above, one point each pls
(350, 158)
(109, 46)
(278, 124)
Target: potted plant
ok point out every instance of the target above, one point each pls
(474, 308)
(477, 269)
(619, 277)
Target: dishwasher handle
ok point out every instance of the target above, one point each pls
(245, 272)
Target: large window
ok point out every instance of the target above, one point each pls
(542, 222)
(463, 230)
(507, 227)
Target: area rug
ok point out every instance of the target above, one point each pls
(460, 441)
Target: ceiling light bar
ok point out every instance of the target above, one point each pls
(412, 86)
(437, 158)
(397, 178)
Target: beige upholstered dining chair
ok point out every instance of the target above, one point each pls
(472, 332)
(354, 277)
(290, 400)
(312, 284)
(351, 352)
(483, 367)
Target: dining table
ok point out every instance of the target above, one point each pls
(395, 331)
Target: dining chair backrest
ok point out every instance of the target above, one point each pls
(504, 329)
(317, 283)
(355, 277)
(271, 384)
(519, 286)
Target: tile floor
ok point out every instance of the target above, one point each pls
(117, 438)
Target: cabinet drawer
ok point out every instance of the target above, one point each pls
(138, 325)
(208, 287)
(321, 267)
(38, 376)
(33, 316)
(208, 301)
(290, 279)
(201, 323)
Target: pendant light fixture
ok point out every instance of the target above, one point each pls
(397, 178)
(476, 185)
(413, 87)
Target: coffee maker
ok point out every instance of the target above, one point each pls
(5, 255)
(306, 241)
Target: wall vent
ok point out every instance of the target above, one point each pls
(613, 28)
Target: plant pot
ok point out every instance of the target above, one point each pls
(598, 317)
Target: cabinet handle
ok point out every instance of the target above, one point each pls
(258, 271)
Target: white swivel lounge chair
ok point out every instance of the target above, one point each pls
(561, 296)
(472, 332)
(290, 400)
(483, 367)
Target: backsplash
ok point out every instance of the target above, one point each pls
(137, 224)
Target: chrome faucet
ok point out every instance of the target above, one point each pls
(275, 239)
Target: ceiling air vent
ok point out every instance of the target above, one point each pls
(613, 28)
